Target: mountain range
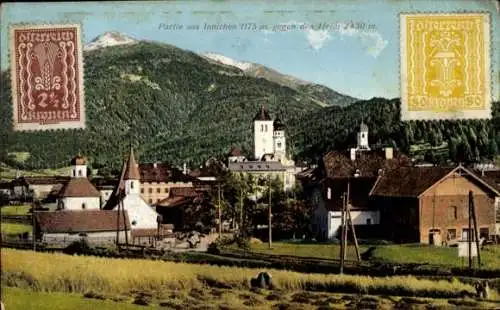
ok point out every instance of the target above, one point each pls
(177, 106)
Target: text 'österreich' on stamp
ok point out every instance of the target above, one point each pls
(445, 66)
(47, 77)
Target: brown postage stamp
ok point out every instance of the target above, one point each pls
(47, 77)
(445, 66)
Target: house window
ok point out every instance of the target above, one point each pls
(142, 190)
(266, 127)
(150, 200)
(166, 190)
(362, 135)
(262, 128)
(158, 190)
(150, 190)
(74, 173)
(157, 200)
(452, 213)
(84, 206)
(79, 173)
(465, 233)
(279, 145)
(368, 221)
(451, 234)
(484, 233)
(132, 185)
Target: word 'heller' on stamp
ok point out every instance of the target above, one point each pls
(47, 77)
(445, 66)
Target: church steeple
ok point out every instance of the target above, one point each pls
(132, 175)
(363, 137)
(79, 166)
(132, 169)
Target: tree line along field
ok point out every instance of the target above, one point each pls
(188, 286)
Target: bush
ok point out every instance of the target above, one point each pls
(213, 248)
(78, 247)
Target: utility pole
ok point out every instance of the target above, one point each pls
(342, 224)
(241, 208)
(124, 222)
(473, 211)
(118, 221)
(219, 215)
(33, 222)
(270, 215)
(469, 233)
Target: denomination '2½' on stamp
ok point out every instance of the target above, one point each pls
(47, 77)
(445, 66)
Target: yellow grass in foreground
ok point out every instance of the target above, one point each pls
(60, 272)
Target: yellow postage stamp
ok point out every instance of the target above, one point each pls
(445, 66)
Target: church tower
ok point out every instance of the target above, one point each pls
(363, 137)
(263, 134)
(279, 139)
(132, 176)
(79, 167)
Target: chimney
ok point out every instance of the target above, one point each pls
(353, 154)
(388, 153)
(184, 168)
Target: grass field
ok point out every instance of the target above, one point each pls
(15, 210)
(19, 299)
(59, 272)
(408, 253)
(14, 229)
(34, 280)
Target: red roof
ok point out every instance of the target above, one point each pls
(413, 181)
(368, 163)
(81, 221)
(235, 152)
(132, 170)
(79, 187)
(151, 172)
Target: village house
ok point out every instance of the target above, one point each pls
(36, 188)
(157, 179)
(97, 227)
(144, 220)
(105, 188)
(431, 204)
(329, 204)
(78, 214)
(173, 209)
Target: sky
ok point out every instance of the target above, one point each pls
(360, 62)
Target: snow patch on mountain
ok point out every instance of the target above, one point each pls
(111, 38)
(228, 61)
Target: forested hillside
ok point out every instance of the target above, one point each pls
(174, 106)
(171, 104)
(332, 128)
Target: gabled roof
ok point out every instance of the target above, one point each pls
(79, 187)
(235, 152)
(415, 181)
(339, 164)
(81, 221)
(262, 115)
(132, 170)
(151, 172)
(359, 192)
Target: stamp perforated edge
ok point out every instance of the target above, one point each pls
(483, 114)
(74, 125)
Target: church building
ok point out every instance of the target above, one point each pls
(127, 194)
(270, 152)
